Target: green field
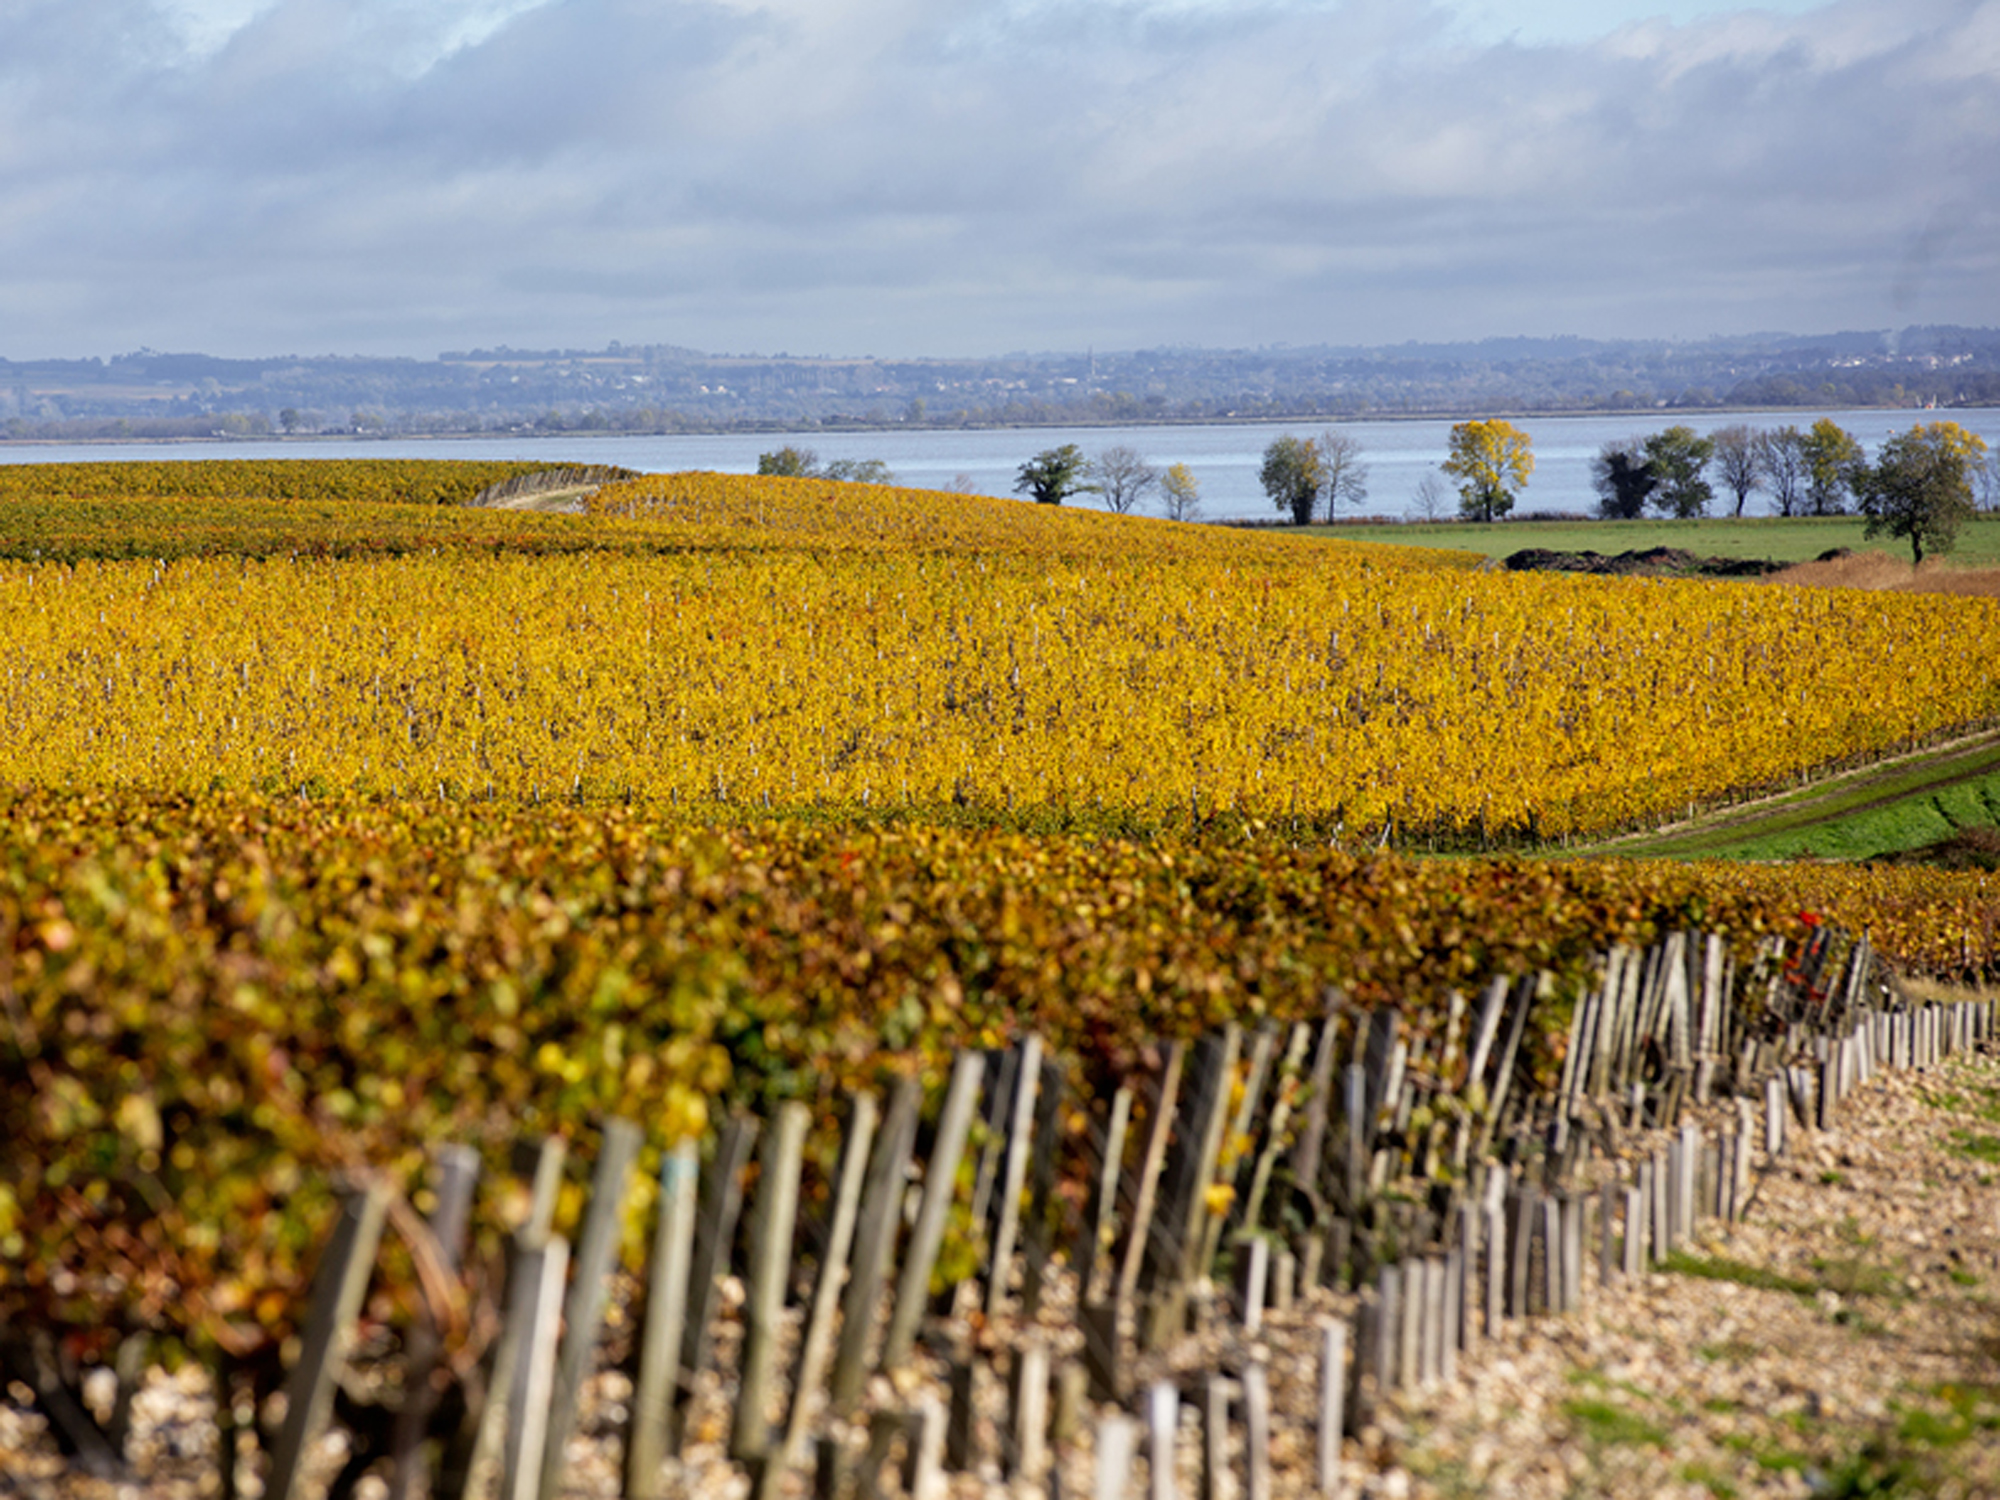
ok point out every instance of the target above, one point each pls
(1912, 804)
(1797, 540)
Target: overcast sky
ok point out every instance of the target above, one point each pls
(956, 177)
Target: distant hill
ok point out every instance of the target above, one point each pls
(663, 388)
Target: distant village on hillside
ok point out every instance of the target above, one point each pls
(661, 388)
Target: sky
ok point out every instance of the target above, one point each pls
(964, 177)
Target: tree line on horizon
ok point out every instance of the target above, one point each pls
(1920, 488)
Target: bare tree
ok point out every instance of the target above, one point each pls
(1986, 482)
(1346, 475)
(1180, 493)
(1738, 462)
(1782, 454)
(1432, 501)
(1123, 476)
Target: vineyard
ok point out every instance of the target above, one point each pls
(1002, 665)
(341, 818)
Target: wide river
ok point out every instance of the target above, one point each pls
(1224, 457)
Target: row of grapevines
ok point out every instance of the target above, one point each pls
(214, 1004)
(1127, 693)
(57, 530)
(407, 481)
(724, 509)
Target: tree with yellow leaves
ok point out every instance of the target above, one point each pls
(1921, 486)
(1491, 460)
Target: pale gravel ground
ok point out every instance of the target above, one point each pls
(1672, 1385)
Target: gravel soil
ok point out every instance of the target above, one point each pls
(1842, 1340)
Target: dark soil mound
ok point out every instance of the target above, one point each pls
(1654, 562)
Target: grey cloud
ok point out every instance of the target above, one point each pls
(975, 175)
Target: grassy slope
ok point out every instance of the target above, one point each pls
(1797, 540)
(1907, 804)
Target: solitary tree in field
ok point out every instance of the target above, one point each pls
(1054, 474)
(1346, 478)
(1736, 462)
(1920, 488)
(1677, 458)
(1293, 474)
(797, 463)
(1123, 476)
(1180, 493)
(1491, 460)
(1623, 480)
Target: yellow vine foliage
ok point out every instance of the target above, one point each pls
(407, 481)
(1124, 687)
(735, 511)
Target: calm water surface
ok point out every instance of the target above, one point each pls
(1225, 458)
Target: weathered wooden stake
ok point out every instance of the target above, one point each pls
(1204, 1118)
(772, 1222)
(338, 1287)
(1217, 1481)
(1332, 1397)
(1015, 1175)
(1636, 1199)
(1035, 1240)
(1572, 1252)
(1072, 1389)
(1094, 1244)
(458, 1174)
(1256, 1273)
(875, 1242)
(715, 1230)
(1410, 1335)
(1430, 1355)
(816, 1347)
(537, 1311)
(940, 1179)
(1102, 1349)
(923, 1468)
(1386, 1347)
(1117, 1441)
(885, 1430)
(1454, 1313)
(1470, 1304)
(961, 1452)
(1497, 1281)
(1549, 1227)
(1607, 1213)
(1659, 1211)
(583, 1312)
(657, 1388)
(1257, 1432)
(1159, 1129)
(1276, 1138)
(1028, 1420)
(1163, 1411)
